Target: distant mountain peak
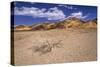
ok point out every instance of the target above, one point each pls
(72, 18)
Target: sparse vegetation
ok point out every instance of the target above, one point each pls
(46, 47)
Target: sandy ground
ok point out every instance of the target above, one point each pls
(74, 46)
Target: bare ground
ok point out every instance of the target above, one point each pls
(66, 45)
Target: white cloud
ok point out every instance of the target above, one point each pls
(78, 15)
(68, 7)
(50, 14)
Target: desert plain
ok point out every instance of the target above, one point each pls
(55, 46)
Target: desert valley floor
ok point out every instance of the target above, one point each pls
(55, 46)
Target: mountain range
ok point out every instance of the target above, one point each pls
(71, 22)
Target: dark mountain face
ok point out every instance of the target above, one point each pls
(95, 20)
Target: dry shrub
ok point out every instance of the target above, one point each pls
(46, 47)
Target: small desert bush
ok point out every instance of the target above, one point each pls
(46, 47)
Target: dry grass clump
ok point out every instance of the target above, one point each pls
(46, 47)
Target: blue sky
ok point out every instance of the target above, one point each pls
(29, 13)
